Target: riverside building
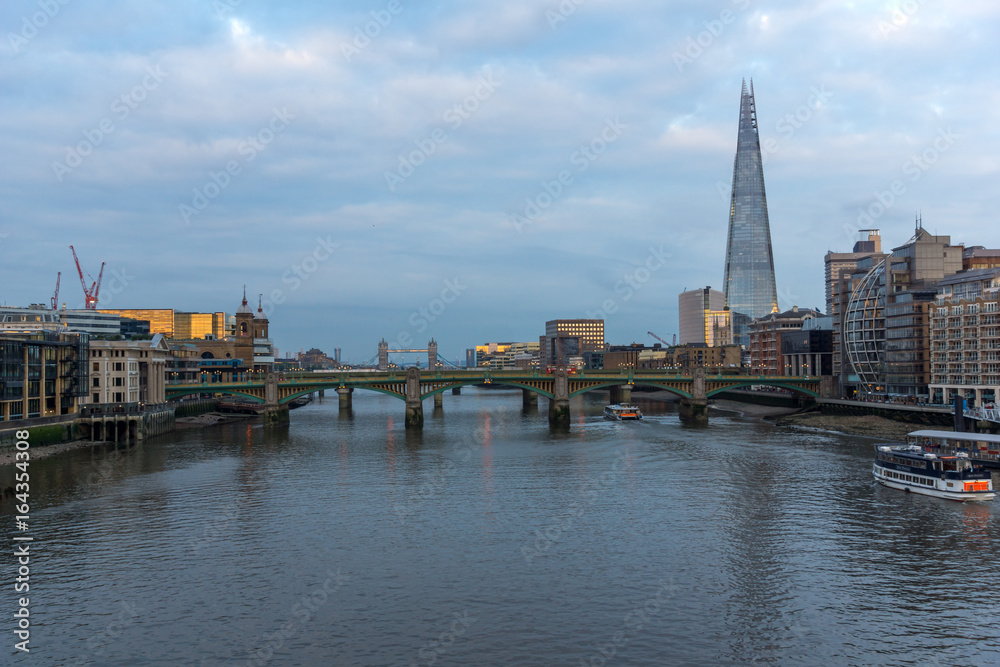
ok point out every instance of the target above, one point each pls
(965, 338)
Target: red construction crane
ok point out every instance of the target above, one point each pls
(55, 296)
(95, 287)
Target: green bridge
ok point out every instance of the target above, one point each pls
(414, 386)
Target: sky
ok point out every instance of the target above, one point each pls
(468, 170)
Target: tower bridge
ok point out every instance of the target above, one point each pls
(413, 387)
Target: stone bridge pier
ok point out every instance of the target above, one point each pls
(559, 403)
(414, 406)
(621, 394)
(345, 395)
(694, 410)
(274, 414)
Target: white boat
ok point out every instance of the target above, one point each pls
(911, 468)
(622, 411)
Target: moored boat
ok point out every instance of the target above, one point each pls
(911, 468)
(621, 412)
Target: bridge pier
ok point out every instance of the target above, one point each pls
(621, 394)
(529, 398)
(346, 398)
(414, 406)
(694, 410)
(439, 400)
(559, 403)
(274, 414)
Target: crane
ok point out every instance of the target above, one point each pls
(658, 338)
(55, 295)
(90, 295)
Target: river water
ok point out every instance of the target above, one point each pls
(488, 539)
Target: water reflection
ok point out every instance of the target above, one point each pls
(781, 548)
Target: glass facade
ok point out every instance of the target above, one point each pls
(749, 279)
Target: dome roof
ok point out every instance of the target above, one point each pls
(244, 308)
(259, 315)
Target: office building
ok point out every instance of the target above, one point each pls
(126, 371)
(843, 272)
(43, 373)
(34, 317)
(703, 317)
(93, 322)
(749, 276)
(892, 298)
(766, 339)
(565, 341)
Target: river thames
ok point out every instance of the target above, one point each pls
(488, 539)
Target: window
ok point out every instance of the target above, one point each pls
(97, 382)
(97, 398)
(97, 366)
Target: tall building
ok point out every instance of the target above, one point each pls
(565, 339)
(749, 279)
(704, 318)
(885, 326)
(844, 270)
(965, 338)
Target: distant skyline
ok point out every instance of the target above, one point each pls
(469, 172)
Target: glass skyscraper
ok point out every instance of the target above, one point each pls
(749, 279)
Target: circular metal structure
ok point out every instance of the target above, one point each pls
(864, 330)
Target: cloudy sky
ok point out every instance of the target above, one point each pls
(469, 170)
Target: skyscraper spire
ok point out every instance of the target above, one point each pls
(749, 278)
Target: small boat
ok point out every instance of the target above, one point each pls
(912, 468)
(621, 411)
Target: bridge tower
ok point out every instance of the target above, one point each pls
(432, 354)
(383, 355)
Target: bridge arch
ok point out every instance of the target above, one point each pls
(500, 382)
(680, 393)
(205, 389)
(764, 383)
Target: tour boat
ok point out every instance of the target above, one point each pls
(622, 411)
(911, 468)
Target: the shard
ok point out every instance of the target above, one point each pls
(749, 279)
